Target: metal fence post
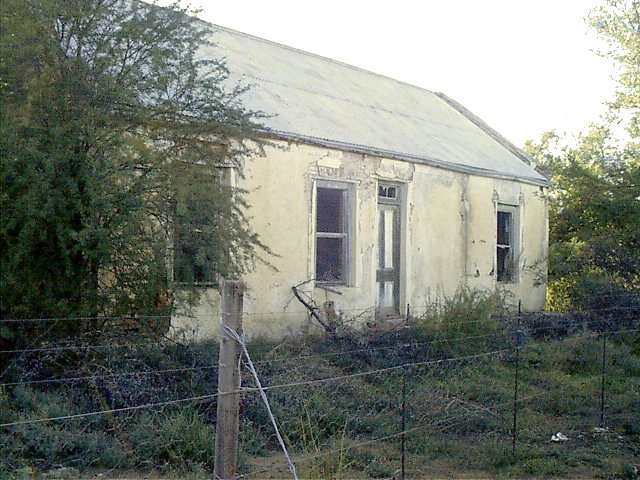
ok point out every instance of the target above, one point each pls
(404, 408)
(227, 420)
(604, 378)
(515, 386)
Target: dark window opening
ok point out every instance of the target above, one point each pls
(331, 235)
(505, 263)
(330, 260)
(196, 223)
(385, 191)
(331, 210)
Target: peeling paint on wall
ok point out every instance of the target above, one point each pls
(448, 233)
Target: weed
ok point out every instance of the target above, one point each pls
(469, 314)
(458, 413)
(322, 465)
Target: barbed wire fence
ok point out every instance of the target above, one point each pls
(393, 403)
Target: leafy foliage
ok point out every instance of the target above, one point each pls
(595, 207)
(111, 124)
(469, 313)
(595, 199)
(618, 23)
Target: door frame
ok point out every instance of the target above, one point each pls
(389, 198)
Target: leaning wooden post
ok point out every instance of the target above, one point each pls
(227, 420)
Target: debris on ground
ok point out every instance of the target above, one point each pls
(559, 437)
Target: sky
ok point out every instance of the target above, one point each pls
(524, 67)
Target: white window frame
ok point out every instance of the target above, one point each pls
(348, 189)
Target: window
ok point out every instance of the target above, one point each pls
(199, 216)
(506, 244)
(190, 264)
(387, 192)
(332, 232)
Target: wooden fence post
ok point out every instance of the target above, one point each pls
(227, 420)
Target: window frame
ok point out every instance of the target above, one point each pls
(512, 245)
(392, 195)
(221, 174)
(346, 235)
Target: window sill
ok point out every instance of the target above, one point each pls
(197, 284)
(331, 286)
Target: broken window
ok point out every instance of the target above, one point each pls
(197, 224)
(506, 237)
(332, 232)
(387, 192)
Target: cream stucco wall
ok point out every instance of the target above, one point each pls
(448, 236)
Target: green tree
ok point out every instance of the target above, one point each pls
(114, 135)
(618, 24)
(595, 195)
(594, 216)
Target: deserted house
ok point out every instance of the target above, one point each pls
(376, 194)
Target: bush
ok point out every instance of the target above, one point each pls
(178, 439)
(110, 378)
(466, 323)
(78, 442)
(599, 302)
(552, 326)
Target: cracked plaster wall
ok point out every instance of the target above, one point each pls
(448, 236)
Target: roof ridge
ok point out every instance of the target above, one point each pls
(457, 136)
(314, 55)
(484, 126)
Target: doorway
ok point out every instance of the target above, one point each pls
(388, 269)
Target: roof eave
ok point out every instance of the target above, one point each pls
(433, 162)
(494, 134)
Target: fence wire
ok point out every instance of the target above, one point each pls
(414, 400)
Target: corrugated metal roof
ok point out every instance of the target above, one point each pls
(321, 101)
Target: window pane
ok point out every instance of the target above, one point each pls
(386, 192)
(194, 234)
(330, 260)
(330, 210)
(192, 261)
(505, 269)
(504, 228)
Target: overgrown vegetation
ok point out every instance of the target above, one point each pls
(111, 373)
(459, 390)
(105, 119)
(595, 196)
(114, 138)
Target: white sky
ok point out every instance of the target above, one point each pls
(523, 66)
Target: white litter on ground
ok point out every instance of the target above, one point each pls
(559, 437)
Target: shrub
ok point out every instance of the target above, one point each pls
(110, 378)
(179, 439)
(552, 326)
(602, 304)
(466, 323)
